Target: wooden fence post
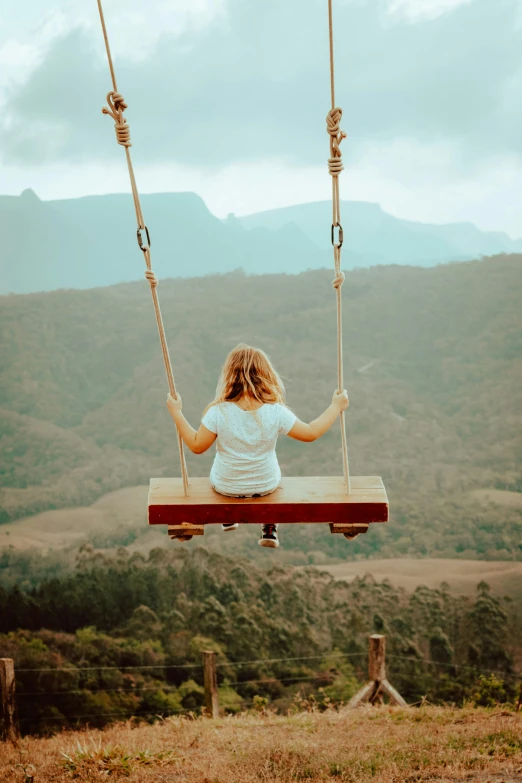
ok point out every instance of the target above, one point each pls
(210, 679)
(377, 657)
(378, 684)
(8, 718)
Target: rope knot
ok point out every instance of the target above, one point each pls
(335, 161)
(151, 277)
(338, 279)
(118, 101)
(116, 105)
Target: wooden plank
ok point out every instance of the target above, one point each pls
(347, 527)
(298, 500)
(366, 693)
(185, 529)
(367, 513)
(299, 490)
(292, 490)
(394, 695)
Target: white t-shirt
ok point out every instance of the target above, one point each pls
(246, 462)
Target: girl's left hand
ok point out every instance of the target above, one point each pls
(174, 404)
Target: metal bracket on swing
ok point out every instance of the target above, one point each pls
(340, 235)
(140, 238)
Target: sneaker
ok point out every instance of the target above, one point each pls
(230, 526)
(269, 536)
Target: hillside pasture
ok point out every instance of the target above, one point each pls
(498, 497)
(62, 528)
(462, 576)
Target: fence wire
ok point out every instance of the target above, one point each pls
(164, 687)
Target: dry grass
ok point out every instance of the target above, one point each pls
(503, 576)
(381, 745)
(62, 527)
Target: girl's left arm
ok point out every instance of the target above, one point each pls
(198, 441)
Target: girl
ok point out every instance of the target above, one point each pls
(246, 417)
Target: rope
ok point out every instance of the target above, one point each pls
(335, 166)
(116, 105)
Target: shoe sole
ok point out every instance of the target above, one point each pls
(269, 544)
(228, 529)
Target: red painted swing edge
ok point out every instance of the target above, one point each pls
(319, 499)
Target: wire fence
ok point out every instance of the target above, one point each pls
(259, 661)
(448, 665)
(166, 689)
(158, 686)
(80, 669)
(191, 665)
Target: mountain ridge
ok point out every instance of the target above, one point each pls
(459, 241)
(91, 241)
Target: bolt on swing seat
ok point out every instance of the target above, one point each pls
(321, 499)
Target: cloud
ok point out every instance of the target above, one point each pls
(252, 83)
(135, 26)
(412, 181)
(415, 9)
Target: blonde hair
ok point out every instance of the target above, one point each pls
(248, 372)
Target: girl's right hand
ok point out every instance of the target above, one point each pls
(340, 400)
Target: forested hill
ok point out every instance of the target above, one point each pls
(433, 367)
(123, 636)
(91, 241)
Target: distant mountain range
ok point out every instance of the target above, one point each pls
(372, 236)
(91, 241)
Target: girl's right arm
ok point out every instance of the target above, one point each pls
(199, 440)
(310, 432)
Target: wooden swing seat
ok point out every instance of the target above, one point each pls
(321, 499)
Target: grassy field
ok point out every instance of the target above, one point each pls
(382, 745)
(498, 497)
(504, 577)
(59, 528)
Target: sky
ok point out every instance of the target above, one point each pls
(228, 98)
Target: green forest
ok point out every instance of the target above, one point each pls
(123, 635)
(432, 365)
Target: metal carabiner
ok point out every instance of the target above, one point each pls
(341, 235)
(140, 238)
